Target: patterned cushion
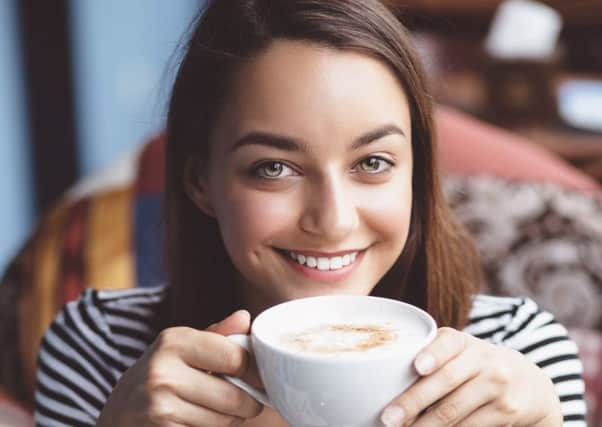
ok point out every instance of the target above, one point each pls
(536, 240)
(545, 242)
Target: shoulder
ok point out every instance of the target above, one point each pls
(143, 301)
(103, 308)
(520, 324)
(503, 319)
(90, 343)
(118, 323)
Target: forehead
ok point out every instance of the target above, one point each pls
(309, 91)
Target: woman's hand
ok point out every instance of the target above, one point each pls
(172, 384)
(469, 382)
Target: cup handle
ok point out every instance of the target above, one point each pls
(245, 342)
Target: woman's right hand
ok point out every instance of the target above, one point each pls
(172, 385)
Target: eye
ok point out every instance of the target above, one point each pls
(374, 165)
(272, 170)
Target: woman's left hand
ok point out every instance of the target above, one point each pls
(466, 381)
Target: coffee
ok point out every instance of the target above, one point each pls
(340, 338)
(345, 337)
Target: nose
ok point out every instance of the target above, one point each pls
(330, 212)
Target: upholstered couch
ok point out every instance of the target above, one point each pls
(536, 220)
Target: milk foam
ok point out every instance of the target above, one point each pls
(344, 337)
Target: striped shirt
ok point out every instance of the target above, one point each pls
(96, 338)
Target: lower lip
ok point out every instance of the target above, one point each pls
(326, 276)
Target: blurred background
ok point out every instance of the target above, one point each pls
(81, 83)
(84, 82)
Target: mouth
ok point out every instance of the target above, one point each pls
(323, 268)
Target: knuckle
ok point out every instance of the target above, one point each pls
(233, 398)
(412, 404)
(233, 361)
(169, 339)
(447, 412)
(450, 375)
(157, 378)
(447, 334)
(453, 338)
(499, 375)
(237, 401)
(508, 405)
(160, 409)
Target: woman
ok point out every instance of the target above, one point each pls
(300, 162)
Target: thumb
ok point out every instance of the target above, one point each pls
(238, 322)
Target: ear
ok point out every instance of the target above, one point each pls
(196, 186)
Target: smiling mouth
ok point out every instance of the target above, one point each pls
(322, 263)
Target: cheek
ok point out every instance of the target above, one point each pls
(388, 210)
(251, 218)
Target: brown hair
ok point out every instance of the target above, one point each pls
(438, 268)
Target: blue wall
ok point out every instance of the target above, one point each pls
(123, 64)
(16, 197)
(122, 51)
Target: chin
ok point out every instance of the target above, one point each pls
(321, 290)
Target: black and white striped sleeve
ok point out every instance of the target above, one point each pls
(522, 326)
(83, 353)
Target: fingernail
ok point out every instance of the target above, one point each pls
(393, 416)
(424, 364)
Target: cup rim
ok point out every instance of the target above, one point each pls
(424, 316)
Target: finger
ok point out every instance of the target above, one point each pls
(430, 389)
(238, 322)
(458, 405)
(447, 345)
(486, 415)
(170, 410)
(201, 350)
(212, 392)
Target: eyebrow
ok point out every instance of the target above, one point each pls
(290, 144)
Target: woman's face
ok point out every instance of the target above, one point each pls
(310, 172)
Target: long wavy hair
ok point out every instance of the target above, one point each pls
(438, 269)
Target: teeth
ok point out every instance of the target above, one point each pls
(323, 263)
(336, 263)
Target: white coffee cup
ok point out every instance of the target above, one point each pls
(335, 360)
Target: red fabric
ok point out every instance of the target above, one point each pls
(468, 146)
(72, 260)
(13, 414)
